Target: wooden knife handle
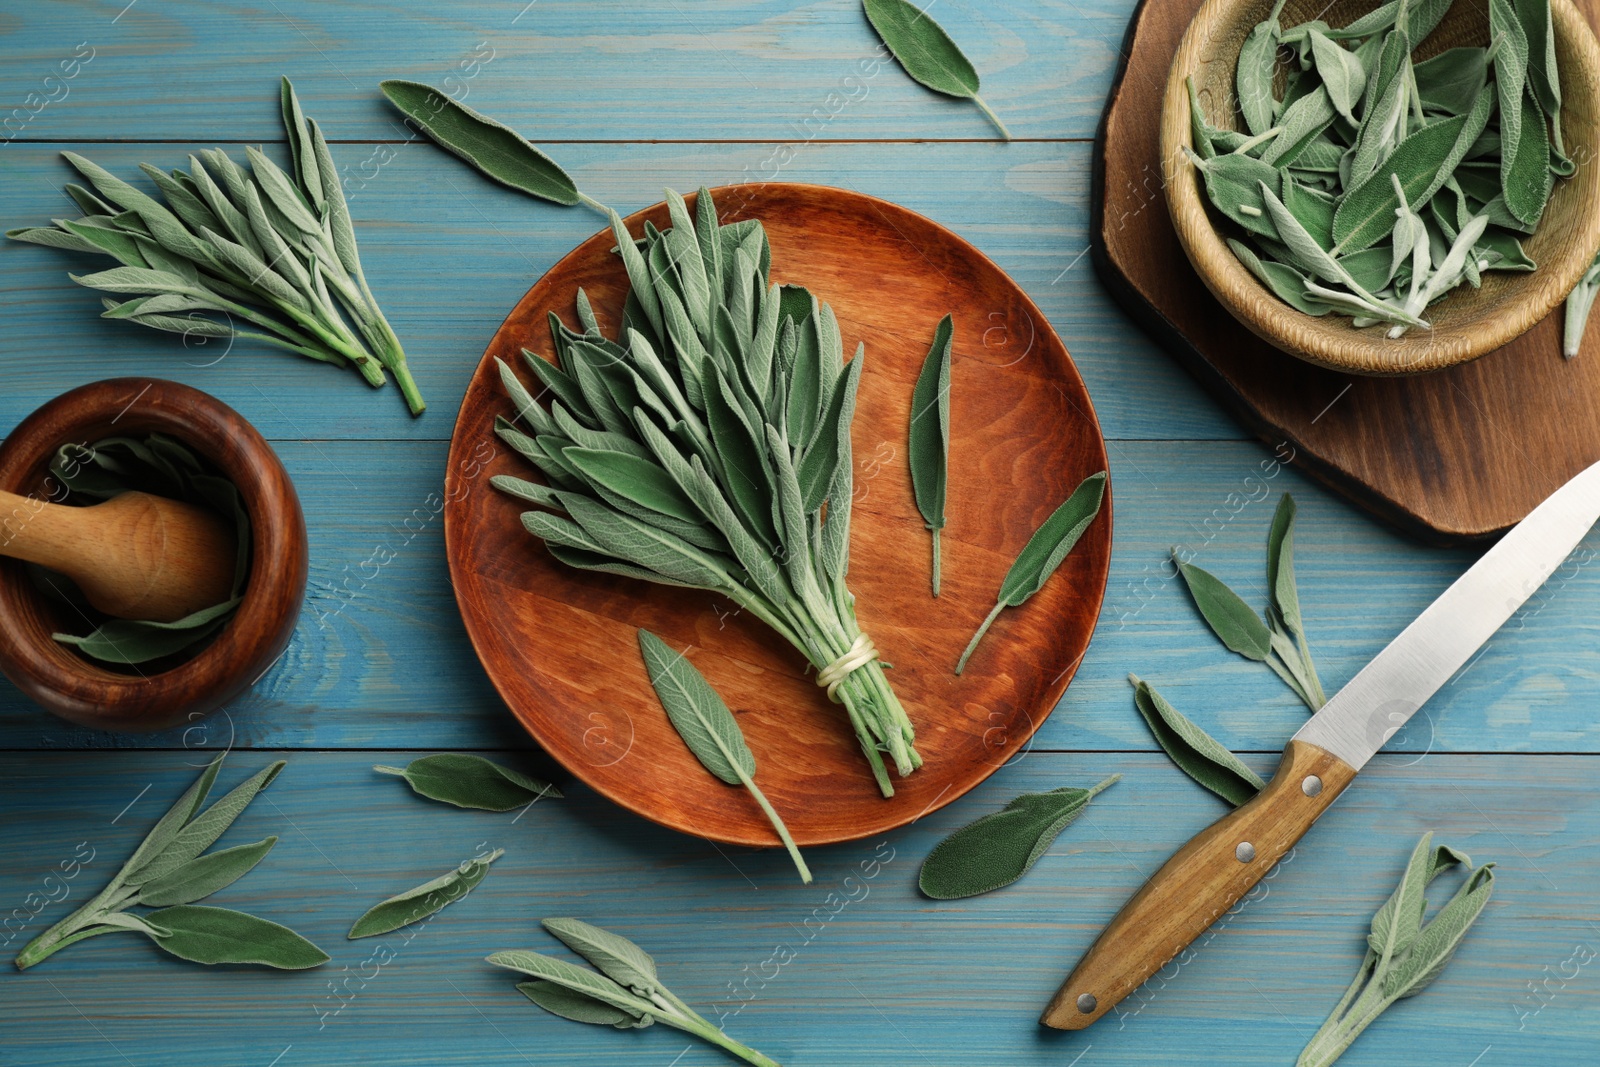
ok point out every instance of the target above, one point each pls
(1202, 880)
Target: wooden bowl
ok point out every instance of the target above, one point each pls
(139, 698)
(1469, 322)
(561, 646)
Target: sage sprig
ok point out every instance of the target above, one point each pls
(169, 871)
(467, 781)
(264, 248)
(1374, 185)
(710, 447)
(1001, 847)
(493, 148)
(624, 990)
(1195, 752)
(709, 729)
(1404, 954)
(926, 52)
(427, 899)
(929, 449)
(1043, 553)
(1579, 303)
(1278, 639)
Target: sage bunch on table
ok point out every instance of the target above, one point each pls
(709, 447)
(169, 873)
(1404, 954)
(623, 991)
(272, 252)
(1375, 185)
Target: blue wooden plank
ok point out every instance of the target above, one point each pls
(450, 253)
(553, 69)
(870, 971)
(380, 657)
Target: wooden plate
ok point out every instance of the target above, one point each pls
(560, 644)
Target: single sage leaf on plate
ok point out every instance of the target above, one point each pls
(222, 935)
(708, 728)
(926, 52)
(1197, 753)
(1044, 552)
(469, 781)
(1002, 846)
(930, 436)
(427, 899)
(494, 149)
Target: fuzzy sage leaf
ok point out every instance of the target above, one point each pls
(427, 899)
(1044, 552)
(926, 52)
(1001, 847)
(709, 729)
(929, 449)
(469, 781)
(1196, 753)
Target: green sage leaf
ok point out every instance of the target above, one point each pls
(1196, 753)
(427, 899)
(611, 954)
(580, 1007)
(204, 829)
(204, 875)
(929, 448)
(220, 935)
(575, 978)
(926, 52)
(468, 781)
(1233, 621)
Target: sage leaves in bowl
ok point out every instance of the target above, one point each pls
(265, 255)
(709, 447)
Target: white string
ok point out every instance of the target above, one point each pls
(861, 652)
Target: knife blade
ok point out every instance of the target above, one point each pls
(1207, 876)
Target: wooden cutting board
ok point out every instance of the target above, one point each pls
(561, 644)
(1452, 456)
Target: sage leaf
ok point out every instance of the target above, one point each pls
(1285, 282)
(926, 52)
(1341, 73)
(1422, 162)
(1002, 846)
(204, 829)
(1234, 183)
(579, 1007)
(220, 935)
(468, 781)
(929, 449)
(1284, 613)
(1579, 303)
(1525, 175)
(1253, 78)
(611, 954)
(581, 995)
(427, 899)
(204, 875)
(1044, 552)
(1233, 621)
(708, 728)
(494, 149)
(1544, 80)
(1196, 753)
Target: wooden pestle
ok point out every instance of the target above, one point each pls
(135, 556)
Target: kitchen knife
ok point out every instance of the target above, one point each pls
(1208, 875)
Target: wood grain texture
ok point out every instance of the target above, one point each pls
(559, 644)
(1471, 321)
(874, 973)
(1200, 883)
(1452, 456)
(176, 689)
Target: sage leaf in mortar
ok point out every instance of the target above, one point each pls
(469, 781)
(625, 994)
(170, 870)
(1404, 953)
(927, 53)
(1197, 753)
(1001, 847)
(708, 728)
(494, 149)
(930, 436)
(1044, 552)
(427, 899)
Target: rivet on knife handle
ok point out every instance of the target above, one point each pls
(1201, 881)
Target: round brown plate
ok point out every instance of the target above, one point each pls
(561, 646)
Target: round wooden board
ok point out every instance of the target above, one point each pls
(560, 644)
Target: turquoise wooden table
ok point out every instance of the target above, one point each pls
(633, 95)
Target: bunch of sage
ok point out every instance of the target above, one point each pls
(1375, 185)
(271, 248)
(708, 728)
(169, 873)
(710, 448)
(926, 52)
(1404, 954)
(1579, 302)
(625, 993)
(929, 446)
(429, 898)
(1001, 847)
(467, 781)
(162, 466)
